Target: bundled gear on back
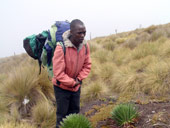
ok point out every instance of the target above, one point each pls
(42, 46)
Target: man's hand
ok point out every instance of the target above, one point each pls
(77, 82)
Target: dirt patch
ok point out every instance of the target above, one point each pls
(152, 115)
(90, 107)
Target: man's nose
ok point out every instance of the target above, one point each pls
(82, 35)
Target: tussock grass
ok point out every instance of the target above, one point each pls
(109, 45)
(46, 85)
(3, 76)
(94, 74)
(141, 64)
(145, 49)
(3, 107)
(94, 91)
(157, 78)
(121, 56)
(128, 64)
(120, 40)
(94, 46)
(150, 29)
(21, 82)
(16, 125)
(44, 115)
(8, 63)
(126, 80)
(106, 71)
(157, 34)
(131, 43)
(24, 84)
(165, 49)
(102, 56)
(143, 37)
(124, 68)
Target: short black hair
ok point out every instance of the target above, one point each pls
(74, 23)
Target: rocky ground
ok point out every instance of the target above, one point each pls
(152, 115)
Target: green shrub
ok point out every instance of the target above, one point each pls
(75, 121)
(124, 114)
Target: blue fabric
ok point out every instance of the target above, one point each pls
(62, 26)
(49, 53)
(49, 35)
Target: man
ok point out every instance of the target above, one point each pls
(70, 69)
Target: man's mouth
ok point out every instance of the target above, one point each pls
(82, 39)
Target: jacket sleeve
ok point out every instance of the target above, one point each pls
(59, 68)
(86, 67)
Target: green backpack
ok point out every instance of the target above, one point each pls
(34, 44)
(41, 47)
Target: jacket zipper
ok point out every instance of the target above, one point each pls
(76, 64)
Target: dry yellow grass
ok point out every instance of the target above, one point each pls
(94, 91)
(128, 64)
(24, 84)
(44, 114)
(16, 125)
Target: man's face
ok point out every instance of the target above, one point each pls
(78, 34)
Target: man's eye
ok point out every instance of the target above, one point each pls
(82, 33)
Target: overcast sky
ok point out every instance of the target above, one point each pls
(21, 18)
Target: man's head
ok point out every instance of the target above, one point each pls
(77, 32)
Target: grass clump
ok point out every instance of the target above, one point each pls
(16, 125)
(21, 83)
(121, 56)
(131, 43)
(145, 49)
(120, 40)
(94, 91)
(101, 55)
(157, 78)
(124, 114)
(43, 114)
(45, 85)
(94, 46)
(150, 29)
(106, 71)
(76, 121)
(109, 45)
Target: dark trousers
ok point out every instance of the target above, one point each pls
(67, 102)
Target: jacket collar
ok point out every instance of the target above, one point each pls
(68, 43)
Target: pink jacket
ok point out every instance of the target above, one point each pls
(74, 64)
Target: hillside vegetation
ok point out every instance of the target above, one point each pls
(127, 66)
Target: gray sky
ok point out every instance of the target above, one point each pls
(21, 18)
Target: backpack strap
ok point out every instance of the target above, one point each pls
(40, 41)
(63, 46)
